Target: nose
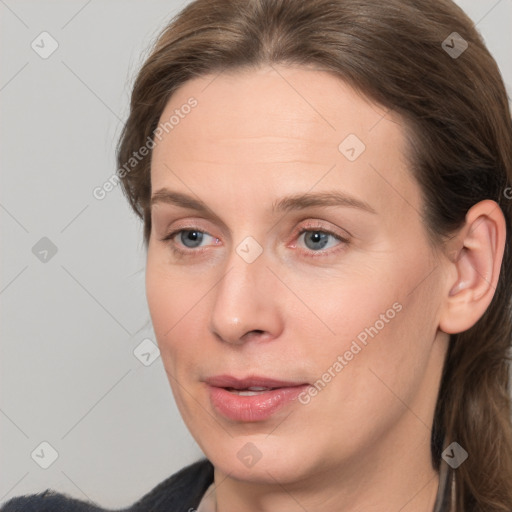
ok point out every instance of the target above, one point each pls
(246, 304)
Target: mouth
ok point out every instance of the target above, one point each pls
(251, 391)
(251, 383)
(252, 398)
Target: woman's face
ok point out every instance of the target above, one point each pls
(287, 251)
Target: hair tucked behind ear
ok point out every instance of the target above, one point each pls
(459, 127)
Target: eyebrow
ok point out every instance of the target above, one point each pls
(285, 204)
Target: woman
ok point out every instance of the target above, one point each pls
(325, 191)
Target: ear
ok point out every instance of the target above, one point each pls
(474, 268)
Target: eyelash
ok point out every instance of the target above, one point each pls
(309, 228)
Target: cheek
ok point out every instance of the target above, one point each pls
(378, 319)
(171, 306)
(177, 308)
(380, 354)
(170, 295)
(167, 299)
(161, 298)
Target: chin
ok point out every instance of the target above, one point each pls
(260, 460)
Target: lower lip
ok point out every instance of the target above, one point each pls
(253, 408)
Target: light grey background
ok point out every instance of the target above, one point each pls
(69, 325)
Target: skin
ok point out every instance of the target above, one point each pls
(363, 442)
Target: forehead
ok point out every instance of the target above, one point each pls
(281, 127)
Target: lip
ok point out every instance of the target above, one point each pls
(228, 381)
(251, 408)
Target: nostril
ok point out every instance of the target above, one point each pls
(255, 333)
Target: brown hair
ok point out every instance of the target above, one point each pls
(459, 125)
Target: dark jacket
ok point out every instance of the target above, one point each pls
(180, 492)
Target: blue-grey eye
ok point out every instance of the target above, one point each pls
(194, 237)
(318, 239)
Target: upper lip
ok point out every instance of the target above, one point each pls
(228, 381)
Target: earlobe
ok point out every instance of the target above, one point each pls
(476, 267)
